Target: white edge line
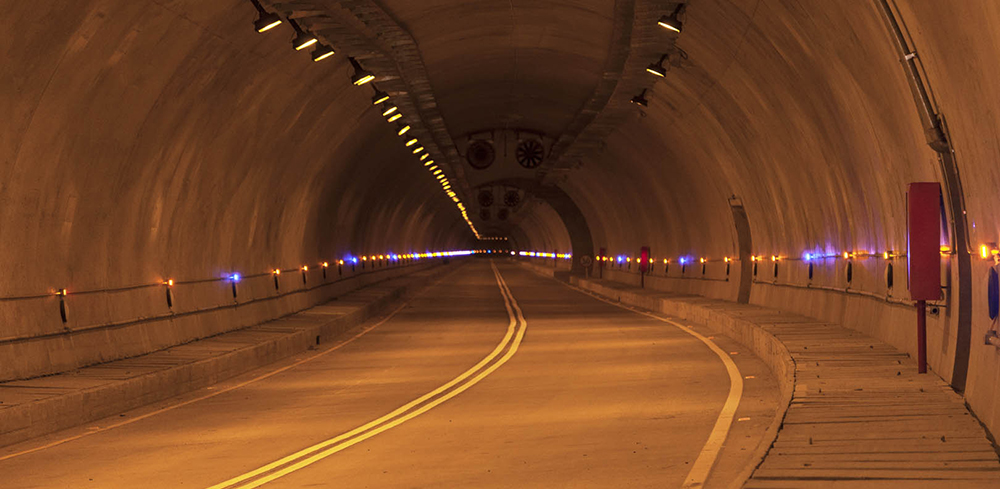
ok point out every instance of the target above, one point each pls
(710, 451)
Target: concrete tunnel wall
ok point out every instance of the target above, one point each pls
(143, 142)
(146, 141)
(802, 110)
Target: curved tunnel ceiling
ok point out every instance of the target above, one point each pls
(144, 138)
(502, 63)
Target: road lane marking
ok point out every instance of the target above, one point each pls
(310, 455)
(702, 466)
(94, 429)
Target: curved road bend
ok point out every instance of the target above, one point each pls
(493, 377)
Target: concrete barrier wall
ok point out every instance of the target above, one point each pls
(106, 326)
(74, 407)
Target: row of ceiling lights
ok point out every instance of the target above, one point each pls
(269, 20)
(671, 23)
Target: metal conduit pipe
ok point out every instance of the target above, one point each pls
(934, 133)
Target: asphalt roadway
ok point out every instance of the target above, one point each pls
(491, 377)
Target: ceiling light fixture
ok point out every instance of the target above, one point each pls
(379, 96)
(395, 117)
(411, 142)
(361, 75)
(389, 109)
(418, 150)
(322, 52)
(423, 157)
(657, 68)
(265, 20)
(672, 22)
(302, 39)
(640, 99)
(402, 129)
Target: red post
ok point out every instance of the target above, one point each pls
(643, 265)
(923, 255)
(922, 337)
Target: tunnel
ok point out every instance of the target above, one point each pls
(499, 243)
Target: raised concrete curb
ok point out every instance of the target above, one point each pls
(35, 407)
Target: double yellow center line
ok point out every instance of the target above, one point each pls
(308, 456)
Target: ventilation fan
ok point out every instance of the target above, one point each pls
(484, 214)
(502, 214)
(485, 198)
(530, 153)
(511, 198)
(480, 154)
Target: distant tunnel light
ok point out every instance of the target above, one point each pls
(302, 39)
(362, 78)
(361, 75)
(379, 96)
(640, 99)
(266, 21)
(276, 271)
(658, 68)
(672, 22)
(988, 250)
(322, 52)
(235, 278)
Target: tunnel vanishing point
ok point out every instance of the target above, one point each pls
(499, 243)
